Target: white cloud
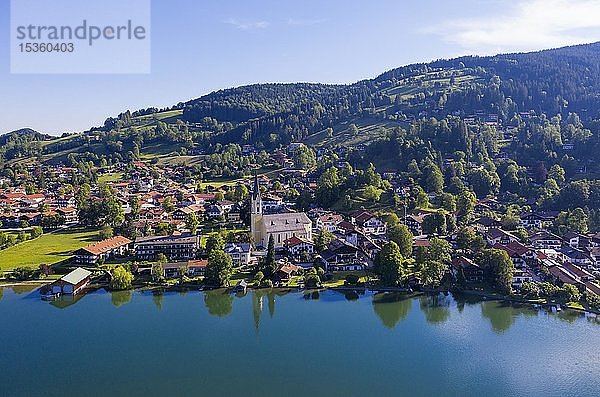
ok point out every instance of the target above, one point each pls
(304, 22)
(528, 25)
(246, 25)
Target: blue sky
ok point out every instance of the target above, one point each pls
(200, 46)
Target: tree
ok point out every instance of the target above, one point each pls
(269, 265)
(120, 279)
(389, 265)
(434, 180)
(168, 204)
(258, 277)
(304, 158)
(557, 173)
(465, 204)
(215, 242)
(158, 271)
(106, 232)
(530, 290)
(36, 232)
(323, 239)
(402, 236)
(433, 272)
(191, 222)
(568, 293)
(435, 223)
(439, 250)
(219, 269)
(499, 268)
(328, 187)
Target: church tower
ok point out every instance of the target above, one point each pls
(256, 214)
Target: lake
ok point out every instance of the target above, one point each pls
(271, 343)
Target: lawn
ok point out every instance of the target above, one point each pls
(47, 249)
(111, 177)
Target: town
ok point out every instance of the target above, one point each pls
(149, 228)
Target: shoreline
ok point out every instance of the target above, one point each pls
(364, 289)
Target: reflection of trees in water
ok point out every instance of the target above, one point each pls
(351, 295)
(502, 315)
(120, 298)
(314, 295)
(1, 293)
(271, 302)
(391, 308)
(23, 288)
(157, 298)
(219, 303)
(462, 300)
(436, 308)
(257, 307)
(569, 316)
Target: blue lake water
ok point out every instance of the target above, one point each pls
(271, 343)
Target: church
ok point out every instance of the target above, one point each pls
(281, 226)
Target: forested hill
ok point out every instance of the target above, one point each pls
(518, 94)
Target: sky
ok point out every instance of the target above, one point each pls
(201, 46)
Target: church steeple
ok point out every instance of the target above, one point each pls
(256, 213)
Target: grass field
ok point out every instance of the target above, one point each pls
(47, 249)
(112, 177)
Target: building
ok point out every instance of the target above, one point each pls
(72, 283)
(545, 240)
(192, 268)
(328, 221)
(296, 246)
(465, 269)
(117, 246)
(281, 226)
(342, 256)
(369, 223)
(239, 253)
(499, 236)
(174, 247)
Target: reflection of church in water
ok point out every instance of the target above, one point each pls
(281, 226)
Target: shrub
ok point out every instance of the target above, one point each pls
(352, 279)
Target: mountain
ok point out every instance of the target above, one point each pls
(503, 90)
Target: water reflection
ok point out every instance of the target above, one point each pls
(257, 307)
(351, 295)
(436, 308)
(502, 315)
(157, 298)
(218, 302)
(120, 298)
(391, 308)
(312, 295)
(65, 301)
(1, 293)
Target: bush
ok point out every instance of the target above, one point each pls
(352, 279)
(23, 273)
(266, 284)
(312, 280)
(530, 290)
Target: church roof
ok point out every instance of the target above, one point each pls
(285, 222)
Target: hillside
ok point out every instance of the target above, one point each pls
(497, 90)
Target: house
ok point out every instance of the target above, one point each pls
(369, 223)
(69, 214)
(296, 246)
(579, 272)
(545, 240)
(182, 213)
(520, 254)
(499, 236)
(239, 253)
(538, 220)
(72, 283)
(286, 270)
(117, 246)
(174, 247)
(415, 223)
(271, 203)
(194, 268)
(342, 256)
(484, 224)
(328, 221)
(521, 276)
(562, 276)
(465, 269)
(576, 240)
(576, 256)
